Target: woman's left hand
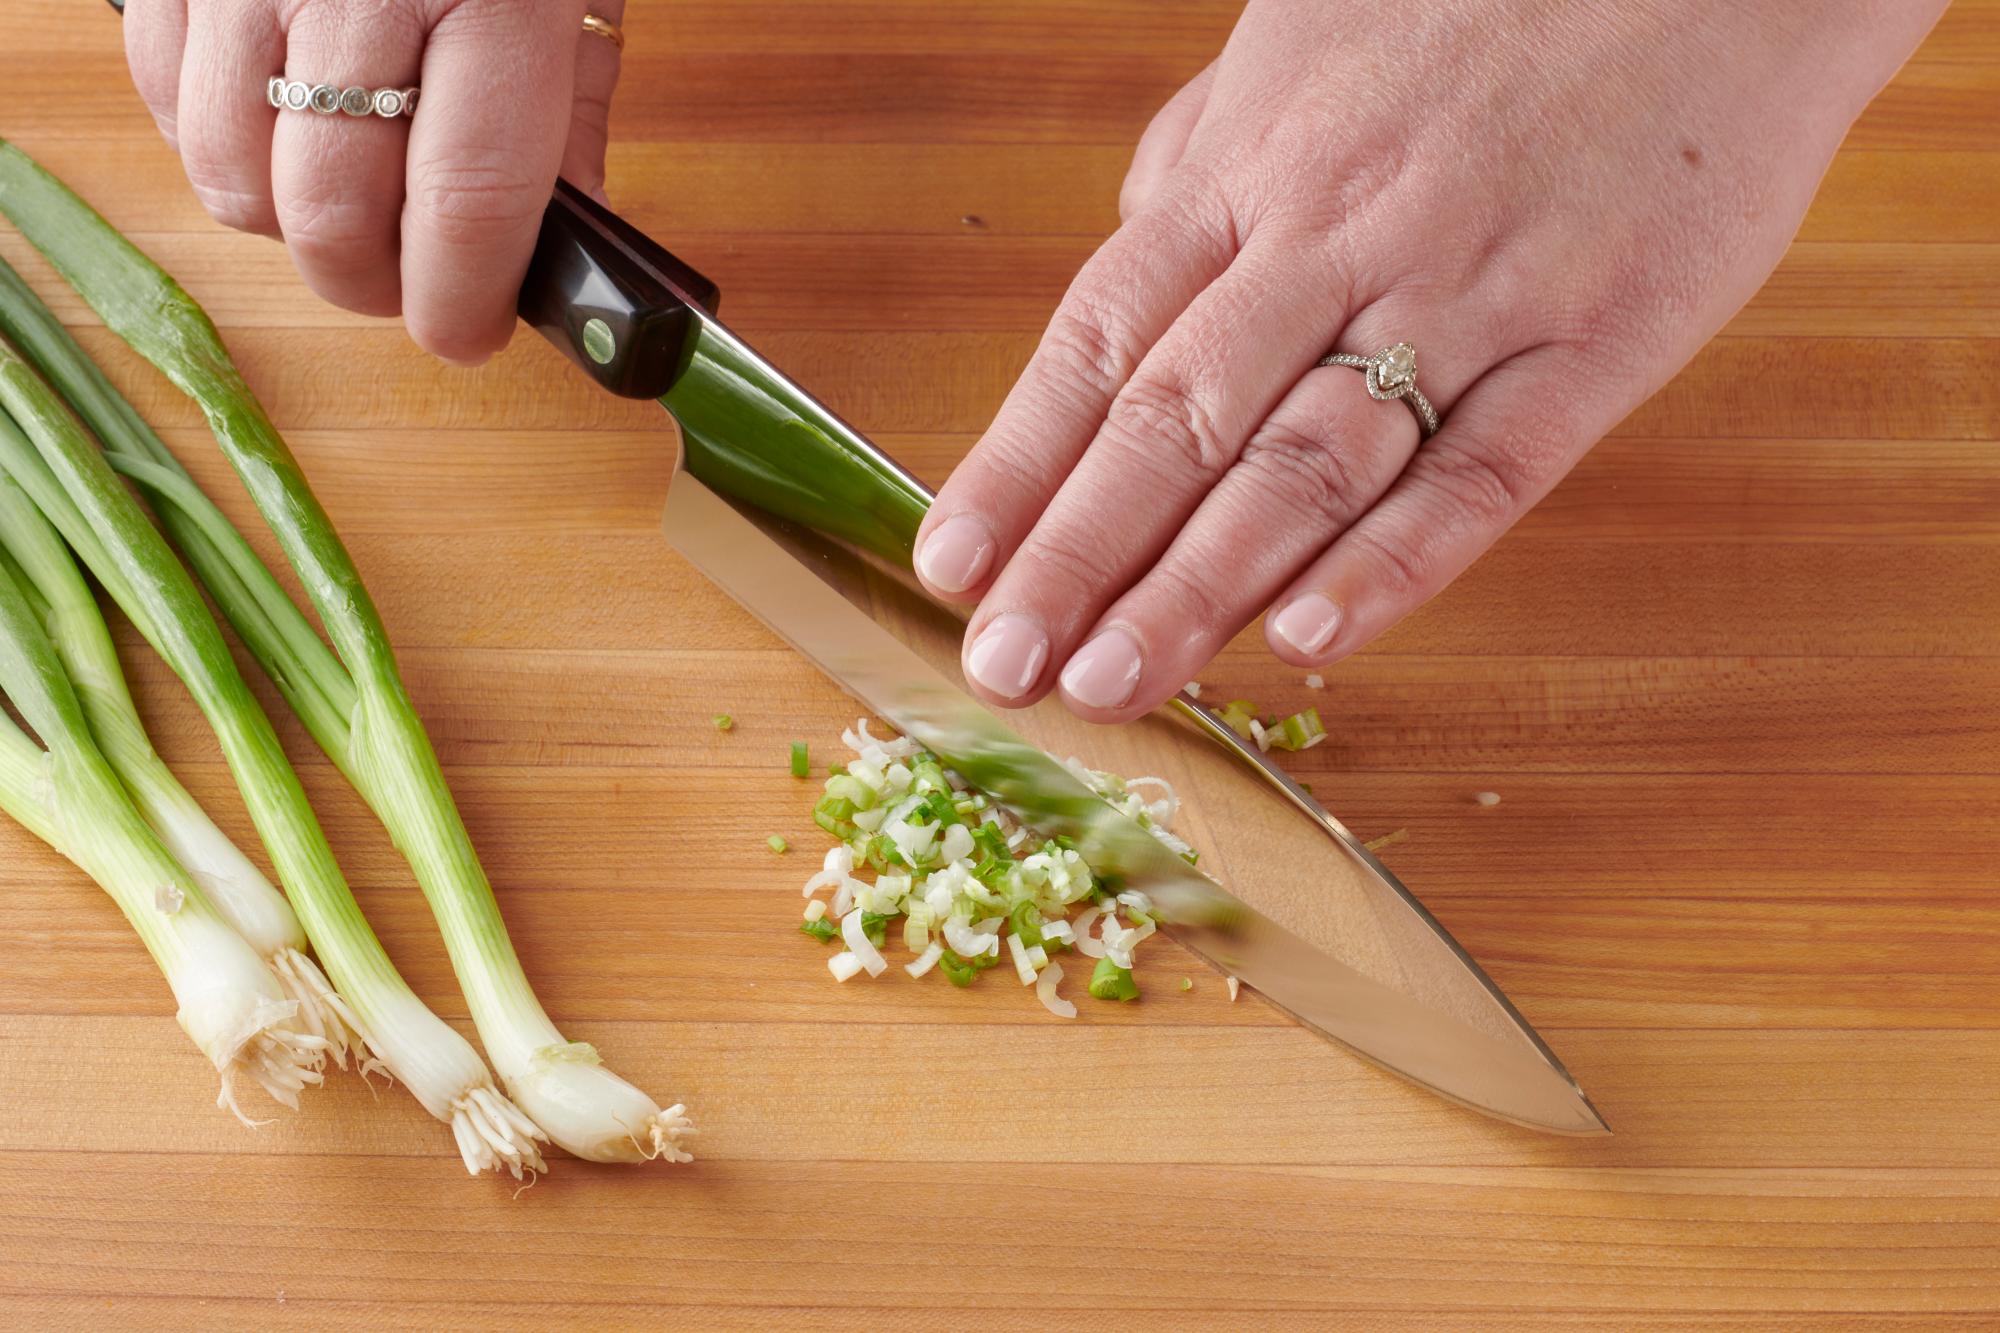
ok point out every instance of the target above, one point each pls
(1556, 204)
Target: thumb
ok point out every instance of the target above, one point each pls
(597, 61)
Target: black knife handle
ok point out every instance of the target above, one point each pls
(611, 298)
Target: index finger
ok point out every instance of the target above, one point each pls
(485, 144)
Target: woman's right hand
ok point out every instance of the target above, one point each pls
(431, 217)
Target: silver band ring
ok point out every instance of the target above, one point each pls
(1392, 373)
(326, 99)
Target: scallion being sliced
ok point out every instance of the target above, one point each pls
(231, 1003)
(59, 467)
(379, 743)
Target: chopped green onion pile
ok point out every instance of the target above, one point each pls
(1300, 731)
(970, 884)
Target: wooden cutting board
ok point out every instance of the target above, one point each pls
(1735, 682)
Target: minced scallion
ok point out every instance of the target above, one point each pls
(777, 843)
(1300, 731)
(801, 760)
(724, 722)
(1109, 981)
(1237, 715)
(972, 886)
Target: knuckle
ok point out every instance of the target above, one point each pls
(332, 229)
(1066, 571)
(1162, 413)
(477, 201)
(229, 203)
(1193, 602)
(1306, 471)
(1088, 347)
(1489, 485)
(1400, 559)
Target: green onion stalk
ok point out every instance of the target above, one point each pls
(230, 1001)
(48, 577)
(58, 465)
(355, 705)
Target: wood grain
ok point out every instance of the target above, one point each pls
(1735, 681)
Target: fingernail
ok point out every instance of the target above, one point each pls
(1309, 622)
(1104, 671)
(956, 555)
(1008, 656)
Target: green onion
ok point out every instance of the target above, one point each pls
(724, 722)
(47, 576)
(231, 1003)
(777, 844)
(835, 815)
(381, 745)
(76, 489)
(957, 970)
(57, 465)
(1187, 983)
(875, 925)
(858, 794)
(1237, 715)
(801, 762)
(1026, 918)
(1108, 981)
(1298, 732)
(824, 929)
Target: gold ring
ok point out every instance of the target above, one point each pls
(604, 28)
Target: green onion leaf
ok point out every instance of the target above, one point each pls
(822, 930)
(723, 722)
(777, 844)
(801, 764)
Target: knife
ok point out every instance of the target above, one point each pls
(806, 523)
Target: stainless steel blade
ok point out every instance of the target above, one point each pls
(1311, 919)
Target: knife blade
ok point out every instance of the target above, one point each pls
(809, 526)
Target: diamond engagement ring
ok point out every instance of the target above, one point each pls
(298, 95)
(1392, 373)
